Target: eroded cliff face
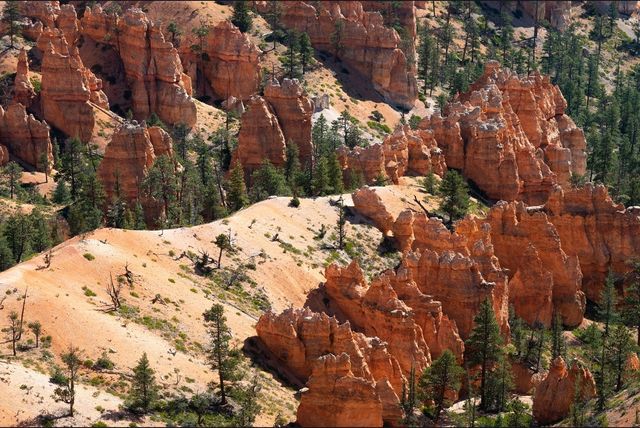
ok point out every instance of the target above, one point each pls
(69, 90)
(293, 109)
(510, 136)
(299, 338)
(228, 63)
(366, 46)
(152, 65)
(128, 158)
(260, 138)
(23, 91)
(405, 152)
(337, 397)
(543, 278)
(282, 116)
(555, 393)
(25, 137)
(602, 234)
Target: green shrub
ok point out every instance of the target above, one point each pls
(89, 256)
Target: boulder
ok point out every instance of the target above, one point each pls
(228, 65)
(337, 397)
(554, 395)
(25, 137)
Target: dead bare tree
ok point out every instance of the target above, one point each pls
(113, 291)
(202, 263)
(2, 301)
(47, 261)
(128, 275)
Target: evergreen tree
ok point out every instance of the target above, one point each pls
(241, 17)
(499, 385)
(221, 356)
(408, 398)
(236, 189)
(66, 393)
(11, 17)
(558, 345)
(17, 231)
(161, 184)
(267, 181)
(484, 346)
(320, 180)
(12, 173)
(144, 391)
(291, 58)
(341, 223)
(455, 195)
(175, 32)
(427, 51)
(334, 174)
(40, 231)
(306, 51)
(6, 256)
(631, 302)
(608, 316)
(439, 379)
(429, 184)
(621, 345)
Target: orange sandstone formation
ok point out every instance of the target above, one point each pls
(293, 109)
(260, 138)
(367, 202)
(228, 63)
(152, 66)
(23, 91)
(69, 90)
(554, 395)
(337, 397)
(299, 337)
(510, 136)
(602, 234)
(25, 137)
(543, 278)
(128, 158)
(366, 46)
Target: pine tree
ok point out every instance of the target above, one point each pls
(268, 181)
(72, 359)
(608, 316)
(175, 31)
(306, 51)
(484, 346)
(12, 173)
(426, 51)
(162, 185)
(439, 379)
(334, 173)
(558, 345)
(221, 356)
(241, 17)
(36, 329)
(499, 385)
(409, 399)
(620, 346)
(320, 180)
(291, 58)
(236, 189)
(144, 391)
(455, 195)
(631, 302)
(11, 17)
(341, 223)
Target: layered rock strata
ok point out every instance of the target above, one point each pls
(363, 43)
(226, 65)
(151, 64)
(510, 136)
(555, 394)
(602, 234)
(69, 90)
(25, 137)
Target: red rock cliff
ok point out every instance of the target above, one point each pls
(25, 137)
(152, 65)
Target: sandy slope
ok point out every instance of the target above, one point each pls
(285, 270)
